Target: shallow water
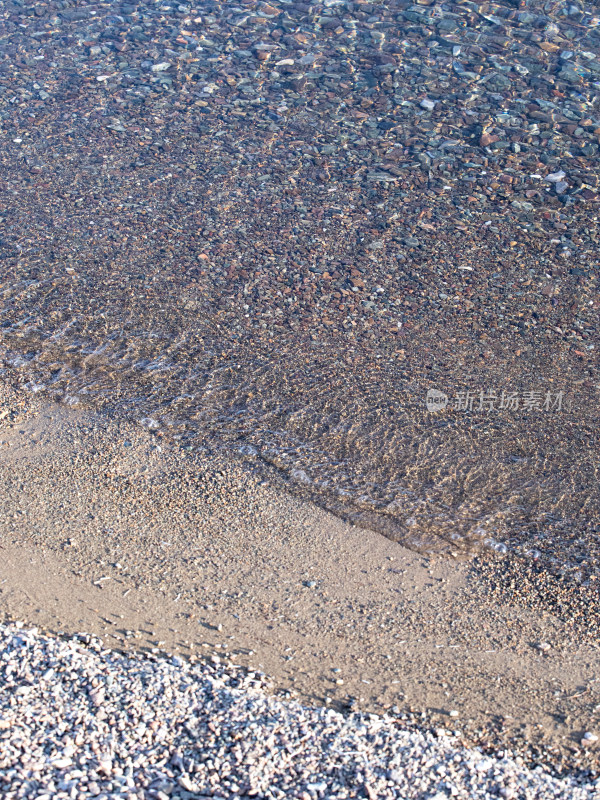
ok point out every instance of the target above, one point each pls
(239, 277)
(350, 428)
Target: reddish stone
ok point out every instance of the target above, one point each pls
(487, 139)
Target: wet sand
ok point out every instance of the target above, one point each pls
(109, 529)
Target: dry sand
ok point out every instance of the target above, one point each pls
(109, 529)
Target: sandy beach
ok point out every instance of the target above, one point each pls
(112, 531)
(299, 384)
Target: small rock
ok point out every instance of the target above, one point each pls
(185, 782)
(487, 138)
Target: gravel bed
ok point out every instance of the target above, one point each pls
(79, 721)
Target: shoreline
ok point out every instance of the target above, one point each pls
(110, 531)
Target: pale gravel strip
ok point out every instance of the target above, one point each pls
(78, 721)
